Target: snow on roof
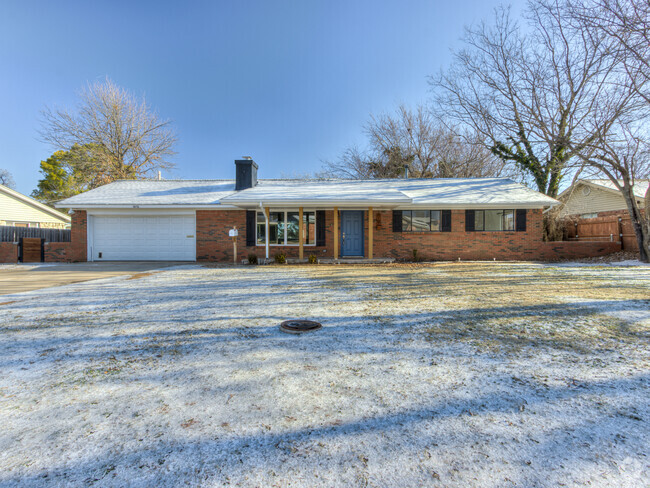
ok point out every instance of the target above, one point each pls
(154, 192)
(640, 186)
(449, 192)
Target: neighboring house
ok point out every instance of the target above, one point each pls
(187, 220)
(589, 198)
(19, 210)
(596, 209)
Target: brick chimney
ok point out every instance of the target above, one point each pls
(246, 173)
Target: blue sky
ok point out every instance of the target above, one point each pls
(289, 83)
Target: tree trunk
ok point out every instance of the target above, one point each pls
(638, 223)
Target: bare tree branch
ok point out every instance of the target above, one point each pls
(130, 140)
(530, 95)
(416, 138)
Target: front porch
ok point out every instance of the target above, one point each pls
(351, 232)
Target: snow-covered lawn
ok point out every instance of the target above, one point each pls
(455, 375)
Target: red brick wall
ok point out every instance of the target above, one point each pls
(214, 244)
(560, 250)
(57, 252)
(458, 243)
(79, 237)
(8, 252)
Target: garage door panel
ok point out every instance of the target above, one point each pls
(144, 238)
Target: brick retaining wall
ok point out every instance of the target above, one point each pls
(8, 252)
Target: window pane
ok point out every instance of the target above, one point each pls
(276, 227)
(479, 219)
(493, 219)
(261, 228)
(508, 220)
(420, 221)
(435, 220)
(406, 221)
(309, 227)
(293, 227)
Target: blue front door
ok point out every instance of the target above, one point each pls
(351, 232)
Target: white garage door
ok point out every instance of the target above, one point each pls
(168, 238)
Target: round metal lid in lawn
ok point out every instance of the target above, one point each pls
(299, 326)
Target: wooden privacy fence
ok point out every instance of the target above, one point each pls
(14, 234)
(611, 227)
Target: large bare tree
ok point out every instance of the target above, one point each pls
(621, 151)
(415, 138)
(626, 23)
(528, 91)
(129, 139)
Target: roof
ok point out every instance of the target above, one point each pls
(34, 203)
(640, 185)
(154, 192)
(442, 193)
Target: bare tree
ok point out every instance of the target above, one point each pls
(130, 140)
(627, 24)
(6, 179)
(527, 94)
(622, 153)
(417, 140)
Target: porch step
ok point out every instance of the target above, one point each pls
(356, 261)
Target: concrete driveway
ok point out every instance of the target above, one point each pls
(26, 277)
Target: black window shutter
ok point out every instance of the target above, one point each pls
(520, 225)
(397, 221)
(251, 227)
(469, 220)
(445, 221)
(320, 227)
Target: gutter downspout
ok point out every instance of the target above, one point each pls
(550, 207)
(266, 232)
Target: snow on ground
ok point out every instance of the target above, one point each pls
(455, 375)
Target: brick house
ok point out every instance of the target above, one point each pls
(190, 220)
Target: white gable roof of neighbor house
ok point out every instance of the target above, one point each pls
(640, 186)
(591, 196)
(16, 207)
(442, 193)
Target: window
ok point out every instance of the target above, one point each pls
(490, 220)
(420, 220)
(284, 228)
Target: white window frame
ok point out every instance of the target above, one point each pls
(514, 219)
(285, 211)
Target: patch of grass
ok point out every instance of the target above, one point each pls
(137, 276)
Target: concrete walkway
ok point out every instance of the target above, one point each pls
(26, 277)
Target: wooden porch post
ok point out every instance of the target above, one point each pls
(336, 232)
(266, 213)
(370, 236)
(300, 231)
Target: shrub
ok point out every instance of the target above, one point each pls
(280, 258)
(554, 226)
(312, 259)
(416, 258)
(252, 259)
